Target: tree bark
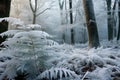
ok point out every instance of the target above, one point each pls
(118, 36)
(71, 14)
(110, 23)
(71, 22)
(91, 24)
(34, 18)
(61, 6)
(114, 19)
(34, 10)
(4, 12)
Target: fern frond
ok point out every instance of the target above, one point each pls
(57, 73)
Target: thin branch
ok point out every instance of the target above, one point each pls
(85, 75)
(40, 6)
(39, 13)
(43, 11)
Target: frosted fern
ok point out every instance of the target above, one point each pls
(28, 48)
(57, 73)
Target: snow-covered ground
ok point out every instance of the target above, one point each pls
(98, 64)
(90, 64)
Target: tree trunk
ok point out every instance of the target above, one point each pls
(71, 14)
(4, 12)
(61, 6)
(110, 26)
(72, 36)
(71, 22)
(66, 13)
(118, 36)
(34, 10)
(34, 18)
(91, 24)
(114, 20)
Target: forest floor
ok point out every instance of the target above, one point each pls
(102, 63)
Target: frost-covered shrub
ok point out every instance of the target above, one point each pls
(28, 51)
(90, 63)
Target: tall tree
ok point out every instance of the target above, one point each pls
(71, 13)
(118, 36)
(71, 21)
(4, 12)
(91, 24)
(110, 23)
(114, 19)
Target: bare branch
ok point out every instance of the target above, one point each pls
(39, 13)
(43, 11)
(61, 4)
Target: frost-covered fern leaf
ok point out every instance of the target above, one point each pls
(38, 34)
(9, 33)
(57, 73)
(10, 71)
(30, 27)
(12, 21)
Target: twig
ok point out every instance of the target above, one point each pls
(85, 75)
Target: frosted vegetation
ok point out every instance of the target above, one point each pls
(32, 54)
(43, 51)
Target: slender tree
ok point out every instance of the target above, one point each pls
(4, 12)
(61, 6)
(71, 13)
(91, 24)
(71, 21)
(35, 9)
(110, 23)
(66, 13)
(118, 36)
(114, 19)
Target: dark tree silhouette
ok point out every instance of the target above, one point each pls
(109, 20)
(118, 36)
(4, 12)
(71, 22)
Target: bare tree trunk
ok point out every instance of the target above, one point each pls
(110, 26)
(4, 12)
(61, 6)
(33, 10)
(34, 18)
(71, 13)
(66, 15)
(72, 36)
(91, 24)
(118, 36)
(71, 22)
(114, 20)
